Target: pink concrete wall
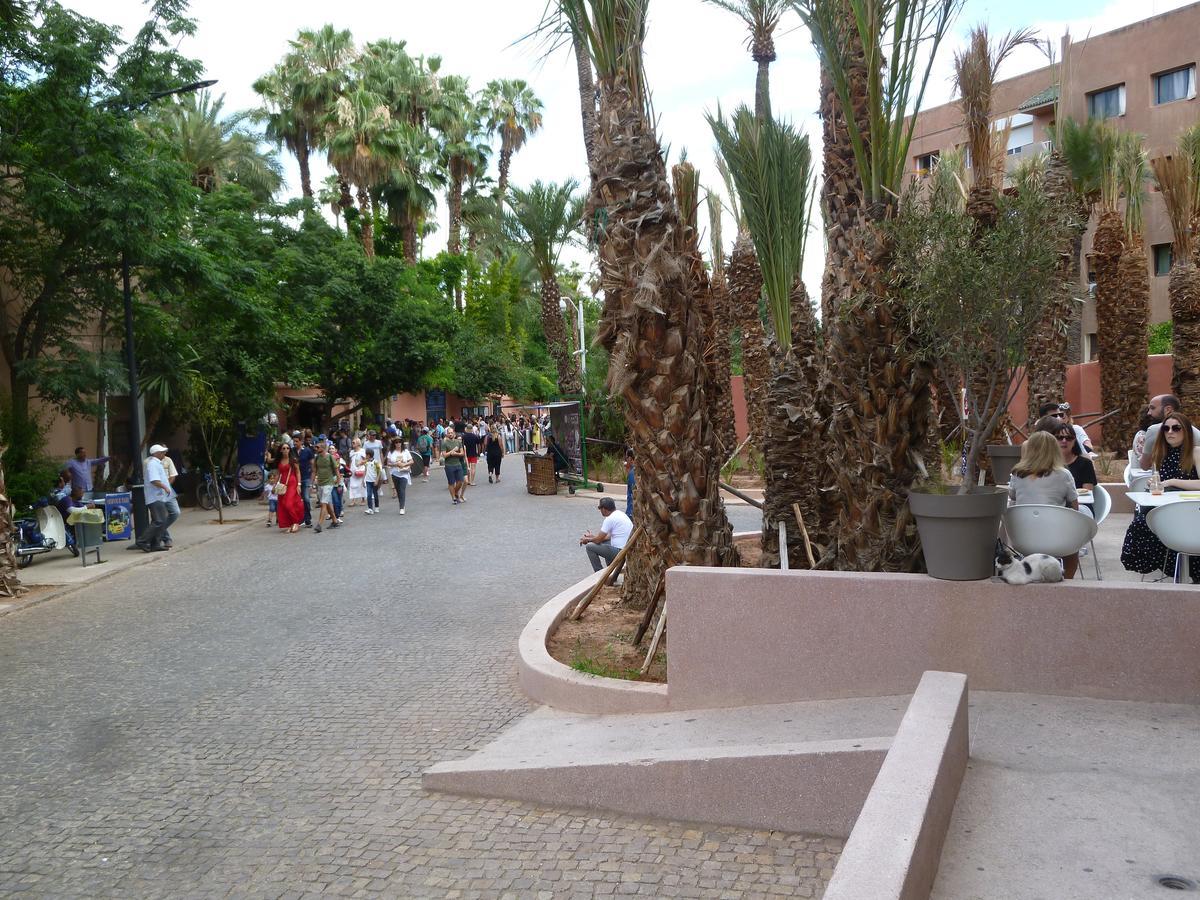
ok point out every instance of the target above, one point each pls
(1083, 391)
(780, 637)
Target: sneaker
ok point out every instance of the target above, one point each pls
(454, 501)
(316, 529)
(401, 512)
(489, 479)
(335, 523)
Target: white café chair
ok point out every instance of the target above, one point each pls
(1042, 528)
(1101, 507)
(1177, 525)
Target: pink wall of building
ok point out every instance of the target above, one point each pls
(1083, 392)
(741, 423)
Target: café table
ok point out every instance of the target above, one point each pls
(1145, 498)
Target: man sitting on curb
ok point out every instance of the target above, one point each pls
(611, 538)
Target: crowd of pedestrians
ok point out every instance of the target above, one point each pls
(313, 479)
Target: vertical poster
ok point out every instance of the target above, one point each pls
(118, 516)
(250, 451)
(567, 427)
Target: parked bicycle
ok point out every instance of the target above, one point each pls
(209, 491)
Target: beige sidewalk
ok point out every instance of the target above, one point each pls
(58, 571)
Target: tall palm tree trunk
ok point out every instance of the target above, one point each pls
(654, 336)
(1133, 280)
(587, 100)
(558, 341)
(793, 441)
(366, 222)
(879, 404)
(408, 235)
(1107, 246)
(1048, 348)
(455, 202)
(302, 153)
(722, 404)
(506, 155)
(841, 190)
(1184, 292)
(745, 287)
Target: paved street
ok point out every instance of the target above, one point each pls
(251, 717)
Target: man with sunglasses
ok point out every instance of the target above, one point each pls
(1062, 411)
(1159, 409)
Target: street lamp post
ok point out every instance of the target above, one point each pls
(136, 487)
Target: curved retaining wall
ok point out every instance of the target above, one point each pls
(548, 681)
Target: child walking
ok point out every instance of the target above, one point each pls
(371, 481)
(272, 498)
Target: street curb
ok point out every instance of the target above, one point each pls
(19, 605)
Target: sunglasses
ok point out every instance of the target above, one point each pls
(1066, 437)
(1172, 428)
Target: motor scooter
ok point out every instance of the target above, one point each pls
(29, 538)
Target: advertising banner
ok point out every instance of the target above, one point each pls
(567, 427)
(118, 516)
(251, 449)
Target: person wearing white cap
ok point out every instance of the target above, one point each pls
(158, 493)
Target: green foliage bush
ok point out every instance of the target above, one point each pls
(1160, 337)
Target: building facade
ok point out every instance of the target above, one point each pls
(1141, 78)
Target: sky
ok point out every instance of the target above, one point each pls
(695, 56)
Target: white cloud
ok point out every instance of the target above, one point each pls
(695, 59)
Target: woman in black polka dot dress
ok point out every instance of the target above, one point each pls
(1177, 460)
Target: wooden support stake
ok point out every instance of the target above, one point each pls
(658, 633)
(812, 563)
(783, 560)
(644, 625)
(737, 493)
(735, 452)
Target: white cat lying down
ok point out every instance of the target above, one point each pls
(1033, 568)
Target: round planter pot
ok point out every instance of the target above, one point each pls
(958, 532)
(1003, 457)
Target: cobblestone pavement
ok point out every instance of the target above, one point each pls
(251, 718)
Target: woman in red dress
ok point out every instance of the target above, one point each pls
(289, 507)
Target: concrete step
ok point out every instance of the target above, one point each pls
(800, 767)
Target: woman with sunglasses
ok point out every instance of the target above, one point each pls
(1041, 477)
(1177, 460)
(1077, 464)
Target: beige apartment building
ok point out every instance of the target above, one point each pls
(1141, 77)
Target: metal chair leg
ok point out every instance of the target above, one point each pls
(1096, 560)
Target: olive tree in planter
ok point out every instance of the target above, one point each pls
(974, 297)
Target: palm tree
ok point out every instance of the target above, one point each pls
(217, 150)
(459, 119)
(541, 220)
(1178, 178)
(1118, 261)
(879, 389)
(771, 166)
(650, 327)
(761, 18)
(283, 122)
(330, 194)
(317, 69)
(363, 143)
(1072, 182)
(514, 112)
(975, 71)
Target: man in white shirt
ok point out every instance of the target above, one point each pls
(613, 535)
(1160, 407)
(158, 493)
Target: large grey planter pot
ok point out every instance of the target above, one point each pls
(958, 532)
(1003, 457)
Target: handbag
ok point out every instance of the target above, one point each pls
(359, 473)
(280, 488)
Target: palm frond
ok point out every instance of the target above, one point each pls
(1173, 176)
(771, 167)
(898, 41)
(975, 71)
(716, 245)
(613, 32)
(1133, 172)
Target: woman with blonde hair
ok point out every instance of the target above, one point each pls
(1041, 477)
